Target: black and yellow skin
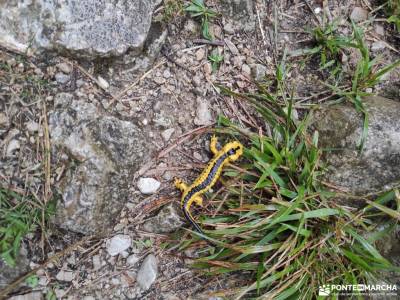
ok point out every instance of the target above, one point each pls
(192, 193)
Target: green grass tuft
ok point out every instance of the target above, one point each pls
(19, 216)
(274, 222)
(197, 9)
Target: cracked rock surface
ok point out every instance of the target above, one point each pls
(349, 169)
(89, 28)
(102, 150)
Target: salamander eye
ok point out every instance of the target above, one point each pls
(232, 152)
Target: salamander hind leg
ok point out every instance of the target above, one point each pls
(198, 200)
(180, 184)
(213, 145)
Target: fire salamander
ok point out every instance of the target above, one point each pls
(229, 153)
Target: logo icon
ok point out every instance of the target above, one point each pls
(324, 290)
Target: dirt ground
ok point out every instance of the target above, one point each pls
(176, 102)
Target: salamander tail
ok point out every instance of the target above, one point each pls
(189, 217)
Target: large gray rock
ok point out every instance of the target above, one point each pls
(85, 27)
(240, 13)
(376, 168)
(167, 220)
(102, 151)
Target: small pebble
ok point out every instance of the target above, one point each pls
(166, 74)
(200, 54)
(203, 114)
(4, 121)
(65, 276)
(32, 126)
(102, 83)
(62, 78)
(228, 27)
(258, 71)
(132, 259)
(12, 146)
(159, 80)
(64, 67)
(377, 46)
(166, 134)
(118, 243)
(96, 262)
(359, 14)
(197, 156)
(246, 70)
(148, 185)
(148, 272)
(379, 29)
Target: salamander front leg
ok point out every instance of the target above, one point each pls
(213, 145)
(180, 184)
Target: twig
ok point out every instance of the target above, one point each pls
(213, 43)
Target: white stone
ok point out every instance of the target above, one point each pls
(96, 262)
(103, 83)
(3, 119)
(379, 45)
(89, 298)
(166, 134)
(64, 67)
(359, 14)
(12, 146)
(62, 78)
(118, 244)
(147, 185)
(148, 272)
(246, 70)
(65, 275)
(32, 126)
(203, 114)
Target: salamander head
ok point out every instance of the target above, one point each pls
(234, 150)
